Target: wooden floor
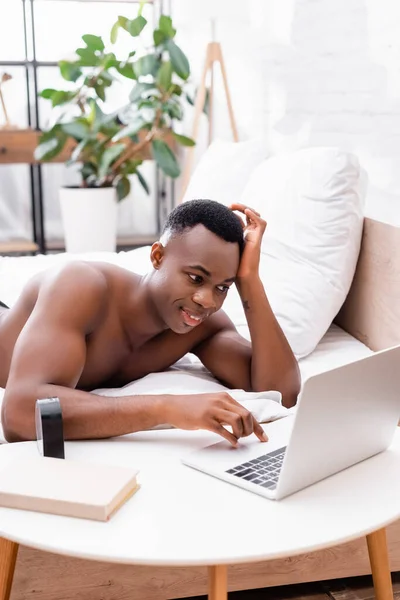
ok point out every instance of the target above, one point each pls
(357, 588)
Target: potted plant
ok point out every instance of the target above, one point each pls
(109, 147)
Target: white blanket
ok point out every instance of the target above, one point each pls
(188, 376)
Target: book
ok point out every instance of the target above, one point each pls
(66, 487)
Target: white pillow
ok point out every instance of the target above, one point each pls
(224, 170)
(312, 200)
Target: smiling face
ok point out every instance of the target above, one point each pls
(193, 273)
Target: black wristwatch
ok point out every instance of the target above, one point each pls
(49, 427)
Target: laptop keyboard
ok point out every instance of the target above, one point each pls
(263, 470)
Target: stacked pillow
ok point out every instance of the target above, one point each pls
(312, 200)
(224, 169)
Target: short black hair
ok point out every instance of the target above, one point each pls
(216, 217)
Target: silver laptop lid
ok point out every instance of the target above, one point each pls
(343, 416)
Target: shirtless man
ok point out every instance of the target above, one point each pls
(90, 325)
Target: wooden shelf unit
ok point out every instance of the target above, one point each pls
(17, 147)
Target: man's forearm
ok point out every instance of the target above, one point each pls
(85, 415)
(273, 365)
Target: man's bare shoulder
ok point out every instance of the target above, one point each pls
(87, 275)
(78, 287)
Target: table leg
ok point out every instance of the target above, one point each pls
(379, 559)
(8, 558)
(217, 582)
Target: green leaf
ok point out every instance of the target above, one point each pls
(138, 90)
(165, 158)
(69, 71)
(61, 97)
(189, 99)
(165, 25)
(153, 103)
(143, 182)
(183, 140)
(180, 63)
(206, 107)
(174, 110)
(114, 32)
(43, 149)
(47, 93)
(87, 57)
(50, 133)
(88, 170)
(95, 111)
(176, 89)
(129, 167)
(99, 89)
(52, 142)
(110, 154)
(76, 129)
(105, 79)
(159, 37)
(164, 75)
(131, 129)
(147, 65)
(135, 27)
(109, 130)
(123, 22)
(123, 188)
(77, 151)
(94, 42)
(127, 70)
(109, 60)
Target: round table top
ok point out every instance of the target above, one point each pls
(182, 517)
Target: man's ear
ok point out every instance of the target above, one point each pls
(157, 253)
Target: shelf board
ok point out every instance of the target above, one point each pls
(21, 246)
(126, 1)
(18, 246)
(18, 145)
(132, 240)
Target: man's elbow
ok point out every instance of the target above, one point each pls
(290, 389)
(289, 399)
(288, 384)
(15, 422)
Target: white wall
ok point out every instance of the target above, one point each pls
(309, 72)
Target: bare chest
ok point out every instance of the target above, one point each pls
(112, 362)
(106, 349)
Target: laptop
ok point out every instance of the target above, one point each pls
(343, 416)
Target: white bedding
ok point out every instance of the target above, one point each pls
(188, 375)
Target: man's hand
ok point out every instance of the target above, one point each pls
(253, 231)
(212, 412)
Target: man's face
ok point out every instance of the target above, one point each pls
(194, 271)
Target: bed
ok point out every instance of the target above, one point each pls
(368, 321)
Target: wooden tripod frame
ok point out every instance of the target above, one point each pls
(213, 55)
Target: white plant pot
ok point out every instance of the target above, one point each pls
(89, 218)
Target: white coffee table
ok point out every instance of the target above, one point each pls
(181, 517)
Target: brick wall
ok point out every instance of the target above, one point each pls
(308, 72)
